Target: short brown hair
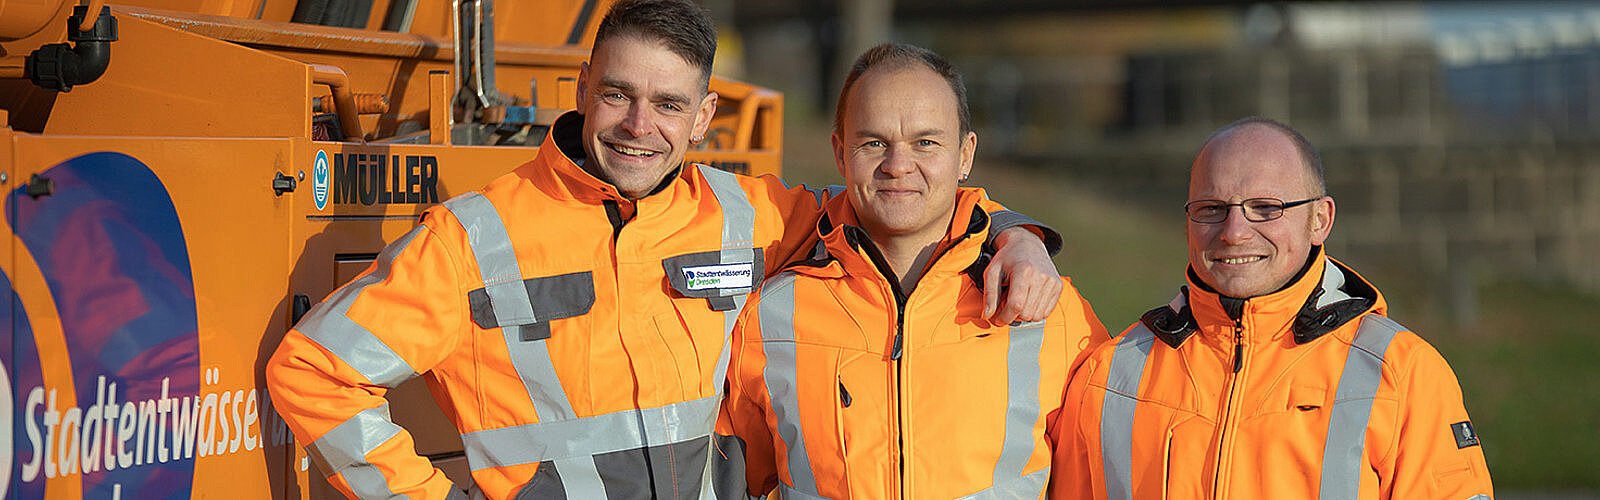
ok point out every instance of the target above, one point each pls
(683, 26)
(899, 55)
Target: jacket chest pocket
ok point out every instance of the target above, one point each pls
(718, 276)
(687, 340)
(531, 304)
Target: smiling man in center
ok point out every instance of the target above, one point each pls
(866, 369)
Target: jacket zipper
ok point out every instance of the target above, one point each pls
(899, 393)
(1225, 439)
(897, 350)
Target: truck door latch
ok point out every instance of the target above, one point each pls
(282, 184)
(39, 185)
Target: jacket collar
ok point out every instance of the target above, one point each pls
(839, 239)
(1324, 296)
(557, 167)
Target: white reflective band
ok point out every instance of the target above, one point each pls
(368, 483)
(580, 478)
(497, 260)
(1024, 344)
(738, 246)
(343, 451)
(738, 215)
(588, 436)
(1030, 486)
(729, 318)
(777, 335)
(497, 263)
(538, 374)
(1116, 416)
(1352, 407)
(328, 325)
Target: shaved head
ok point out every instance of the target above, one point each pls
(1251, 159)
(1309, 157)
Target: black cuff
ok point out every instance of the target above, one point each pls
(1005, 219)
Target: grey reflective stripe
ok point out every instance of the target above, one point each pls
(367, 482)
(343, 451)
(1332, 285)
(580, 478)
(738, 245)
(588, 436)
(502, 280)
(456, 494)
(738, 215)
(1022, 410)
(1029, 486)
(497, 262)
(1116, 416)
(538, 374)
(1352, 407)
(729, 318)
(1479, 497)
(777, 333)
(328, 325)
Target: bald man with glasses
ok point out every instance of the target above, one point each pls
(1276, 372)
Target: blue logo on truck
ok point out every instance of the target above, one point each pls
(319, 180)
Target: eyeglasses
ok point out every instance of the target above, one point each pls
(1255, 209)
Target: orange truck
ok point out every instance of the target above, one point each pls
(184, 178)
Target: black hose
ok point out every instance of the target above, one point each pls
(59, 66)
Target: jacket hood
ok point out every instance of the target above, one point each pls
(1325, 295)
(839, 238)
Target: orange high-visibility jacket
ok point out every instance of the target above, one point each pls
(1309, 392)
(842, 386)
(576, 339)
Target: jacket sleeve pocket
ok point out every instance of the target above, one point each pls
(532, 304)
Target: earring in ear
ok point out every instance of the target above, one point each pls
(696, 139)
(963, 179)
